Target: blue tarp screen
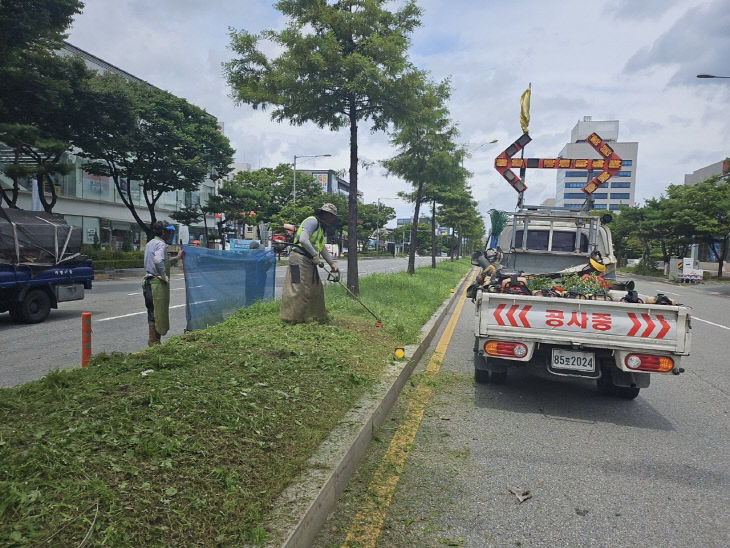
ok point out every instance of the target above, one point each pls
(219, 282)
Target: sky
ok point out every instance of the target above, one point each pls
(627, 60)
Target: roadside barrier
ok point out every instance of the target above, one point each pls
(218, 282)
(85, 338)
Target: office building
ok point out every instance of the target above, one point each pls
(619, 189)
(92, 202)
(699, 175)
(330, 182)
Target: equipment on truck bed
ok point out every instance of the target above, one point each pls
(33, 237)
(40, 264)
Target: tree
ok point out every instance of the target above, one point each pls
(267, 191)
(631, 223)
(426, 149)
(403, 233)
(459, 213)
(626, 242)
(142, 135)
(471, 229)
(39, 98)
(28, 25)
(371, 219)
(448, 188)
(342, 63)
(702, 212)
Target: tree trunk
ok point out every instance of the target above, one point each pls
(13, 200)
(647, 252)
(352, 274)
(41, 182)
(433, 234)
(721, 256)
(414, 231)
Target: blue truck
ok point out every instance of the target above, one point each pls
(40, 264)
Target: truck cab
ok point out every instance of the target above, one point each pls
(542, 239)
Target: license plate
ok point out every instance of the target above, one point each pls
(573, 361)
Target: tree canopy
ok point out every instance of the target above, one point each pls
(427, 157)
(141, 134)
(341, 63)
(670, 224)
(41, 94)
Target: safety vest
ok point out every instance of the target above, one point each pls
(316, 238)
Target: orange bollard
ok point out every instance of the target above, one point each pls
(85, 338)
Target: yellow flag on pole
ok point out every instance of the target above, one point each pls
(525, 108)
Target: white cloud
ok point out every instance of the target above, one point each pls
(626, 60)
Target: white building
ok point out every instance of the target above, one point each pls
(619, 189)
(699, 175)
(92, 202)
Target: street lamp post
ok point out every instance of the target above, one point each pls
(710, 76)
(469, 154)
(294, 193)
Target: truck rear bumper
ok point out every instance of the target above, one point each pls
(541, 355)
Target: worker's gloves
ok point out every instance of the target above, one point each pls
(316, 260)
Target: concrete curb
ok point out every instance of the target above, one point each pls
(303, 507)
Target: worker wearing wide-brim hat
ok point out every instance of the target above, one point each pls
(302, 297)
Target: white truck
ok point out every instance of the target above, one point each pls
(619, 344)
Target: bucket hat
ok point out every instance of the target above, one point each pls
(328, 208)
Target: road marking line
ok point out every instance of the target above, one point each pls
(366, 525)
(133, 314)
(711, 323)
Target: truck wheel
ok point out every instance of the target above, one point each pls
(606, 386)
(499, 377)
(485, 376)
(15, 314)
(35, 307)
(481, 376)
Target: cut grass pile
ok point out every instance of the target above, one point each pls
(189, 443)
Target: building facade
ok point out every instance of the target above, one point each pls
(618, 190)
(92, 202)
(329, 181)
(699, 175)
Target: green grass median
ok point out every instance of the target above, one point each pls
(189, 443)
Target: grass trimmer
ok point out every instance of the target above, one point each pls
(335, 277)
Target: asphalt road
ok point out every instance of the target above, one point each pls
(119, 323)
(601, 471)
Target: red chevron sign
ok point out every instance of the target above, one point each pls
(609, 163)
(639, 321)
(510, 315)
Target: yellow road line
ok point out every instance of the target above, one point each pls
(366, 525)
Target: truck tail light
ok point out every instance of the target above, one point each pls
(505, 348)
(649, 362)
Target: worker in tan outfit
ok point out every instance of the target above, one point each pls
(302, 296)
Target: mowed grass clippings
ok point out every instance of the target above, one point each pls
(189, 443)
